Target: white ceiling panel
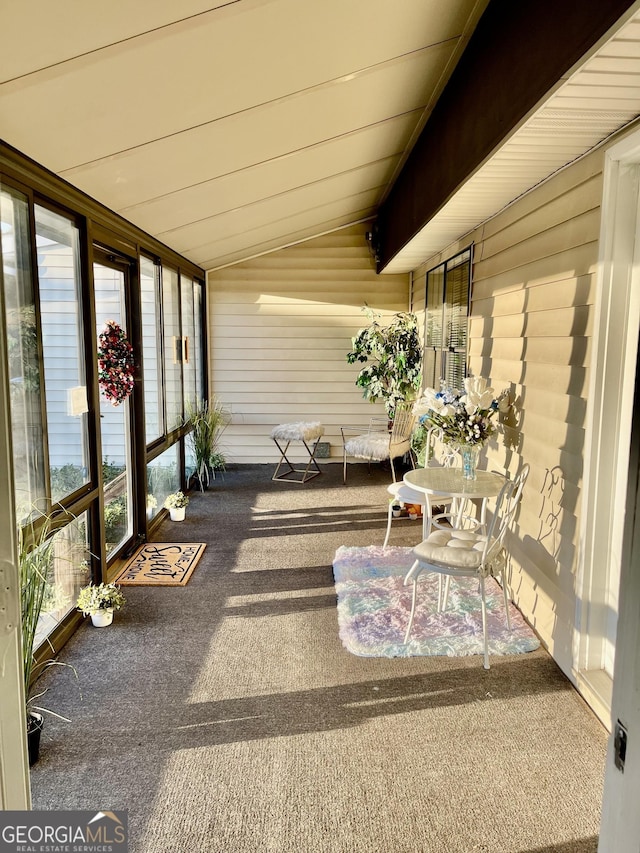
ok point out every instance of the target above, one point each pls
(292, 229)
(276, 176)
(230, 127)
(229, 144)
(68, 28)
(189, 238)
(206, 67)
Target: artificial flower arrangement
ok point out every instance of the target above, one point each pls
(176, 501)
(464, 416)
(104, 596)
(115, 363)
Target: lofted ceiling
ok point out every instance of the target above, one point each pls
(227, 129)
(231, 129)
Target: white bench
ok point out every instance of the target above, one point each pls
(305, 433)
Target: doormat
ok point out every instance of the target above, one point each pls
(161, 564)
(374, 607)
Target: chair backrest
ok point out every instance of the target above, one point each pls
(437, 453)
(379, 423)
(504, 514)
(403, 422)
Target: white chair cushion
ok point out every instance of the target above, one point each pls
(372, 446)
(299, 431)
(462, 549)
(406, 495)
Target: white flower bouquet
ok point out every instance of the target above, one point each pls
(464, 416)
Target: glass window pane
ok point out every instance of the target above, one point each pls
(172, 347)
(188, 339)
(446, 322)
(163, 478)
(109, 284)
(22, 344)
(69, 570)
(57, 242)
(198, 348)
(150, 295)
(433, 320)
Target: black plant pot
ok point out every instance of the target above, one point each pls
(35, 723)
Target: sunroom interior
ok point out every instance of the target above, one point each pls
(232, 182)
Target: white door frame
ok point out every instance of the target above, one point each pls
(14, 767)
(610, 400)
(620, 825)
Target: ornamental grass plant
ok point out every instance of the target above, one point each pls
(208, 420)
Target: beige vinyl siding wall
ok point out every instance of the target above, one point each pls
(279, 330)
(530, 330)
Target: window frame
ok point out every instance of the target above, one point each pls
(439, 311)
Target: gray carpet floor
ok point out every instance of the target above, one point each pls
(227, 716)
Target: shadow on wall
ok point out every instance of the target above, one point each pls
(546, 422)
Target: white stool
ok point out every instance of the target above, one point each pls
(303, 432)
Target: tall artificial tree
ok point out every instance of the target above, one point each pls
(393, 354)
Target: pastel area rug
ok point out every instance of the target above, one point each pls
(374, 608)
(161, 564)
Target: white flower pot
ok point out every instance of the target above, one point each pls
(177, 513)
(102, 618)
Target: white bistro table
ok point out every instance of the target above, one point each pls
(443, 482)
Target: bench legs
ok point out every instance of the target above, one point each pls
(308, 473)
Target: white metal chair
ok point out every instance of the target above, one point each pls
(467, 553)
(378, 445)
(436, 454)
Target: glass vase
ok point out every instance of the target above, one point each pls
(469, 453)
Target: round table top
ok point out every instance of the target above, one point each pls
(449, 481)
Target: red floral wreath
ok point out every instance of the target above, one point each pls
(115, 363)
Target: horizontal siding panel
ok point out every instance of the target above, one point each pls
(272, 304)
(559, 294)
(280, 328)
(563, 321)
(557, 377)
(351, 413)
(341, 275)
(575, 262)
(577, 232)
(570, 351)
(250, 348)
(574, 203)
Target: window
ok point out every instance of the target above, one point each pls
(24, 362)
(68, 441)
(188, 339)
(57, 243)
(151, 350)
(163, 478)
(172, 347)
(198, 349)
(446, 322)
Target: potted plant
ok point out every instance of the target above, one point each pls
(394, 353)
(176, 503)
(207, 421)
(99, 601)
